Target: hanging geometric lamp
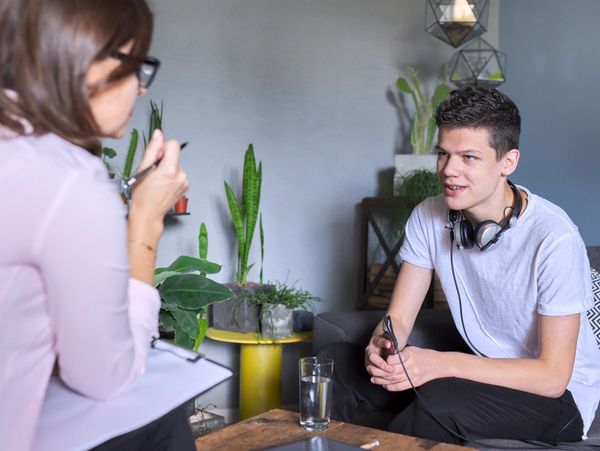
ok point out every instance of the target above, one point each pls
(477, 64)
(456, 22)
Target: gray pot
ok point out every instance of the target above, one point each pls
(236, 314)
(276, 321)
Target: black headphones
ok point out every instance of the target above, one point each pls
(486, 233)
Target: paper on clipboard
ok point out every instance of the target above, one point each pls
(70, 421)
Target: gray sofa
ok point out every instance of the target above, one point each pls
(433, 329)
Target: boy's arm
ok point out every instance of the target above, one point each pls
(548, 375)
(409, 292)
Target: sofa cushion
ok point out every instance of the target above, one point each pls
(593, 314)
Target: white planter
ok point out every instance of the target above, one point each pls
(406, 163)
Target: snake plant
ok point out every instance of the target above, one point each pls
(245, 215)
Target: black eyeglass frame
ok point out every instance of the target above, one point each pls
(148, 60)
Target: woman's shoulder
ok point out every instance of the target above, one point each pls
(49, 157)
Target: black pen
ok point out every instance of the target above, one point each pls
(127, 185)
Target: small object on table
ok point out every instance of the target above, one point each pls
(316, 378)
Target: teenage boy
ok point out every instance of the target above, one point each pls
(516, 275)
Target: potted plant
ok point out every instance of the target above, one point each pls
(277, 303)
(423, 127)
(186, 292)
(238, 314)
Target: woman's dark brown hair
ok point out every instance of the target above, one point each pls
(46, 49)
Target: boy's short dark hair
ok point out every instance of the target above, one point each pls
(476, 107)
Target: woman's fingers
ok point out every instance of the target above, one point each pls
(154, 151)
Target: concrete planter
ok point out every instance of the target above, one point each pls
(276, 321)
(236, 314)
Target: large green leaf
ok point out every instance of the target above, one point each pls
(186, 321)
(182, 338)
(166, 319)
(189, 264)
(191, 292)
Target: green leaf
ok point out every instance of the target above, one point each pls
(203, 242)
(238, 222)
(189, 264)
(109, 152)
(186, 321)
(403, 85)
(192, 292)
(262, 249)
(182, 338)
(441, 93)
(166, 319)
(133, 143)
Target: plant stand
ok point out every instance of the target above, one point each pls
(260, 368)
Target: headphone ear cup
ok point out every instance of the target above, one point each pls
(487, 231)
(465, 235)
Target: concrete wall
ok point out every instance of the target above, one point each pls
(308, 82)
(553, 68)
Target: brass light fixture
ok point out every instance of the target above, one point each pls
(456, 22)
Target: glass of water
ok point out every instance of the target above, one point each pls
(315, 392)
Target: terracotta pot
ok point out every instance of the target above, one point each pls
(181, 205)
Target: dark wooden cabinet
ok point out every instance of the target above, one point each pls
(382, 234)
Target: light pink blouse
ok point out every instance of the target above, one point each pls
(65, 291)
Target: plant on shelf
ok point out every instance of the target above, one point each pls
(186, 292)
(416, 186)
(238, 315)
(423, 126)
(277, 301)
(109, 154)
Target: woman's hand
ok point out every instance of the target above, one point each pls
(154, 196)
(422, 365)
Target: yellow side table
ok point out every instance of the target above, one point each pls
(260, 368)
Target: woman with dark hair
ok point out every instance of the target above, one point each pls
(76, 276)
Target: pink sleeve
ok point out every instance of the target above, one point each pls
(103, 321)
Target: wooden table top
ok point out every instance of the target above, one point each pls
(278, 427)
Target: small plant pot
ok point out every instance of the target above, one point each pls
(236, 314)
(181, 205)
(276, 321)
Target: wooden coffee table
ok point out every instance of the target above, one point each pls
(278, 427)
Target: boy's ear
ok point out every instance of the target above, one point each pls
(510, 161)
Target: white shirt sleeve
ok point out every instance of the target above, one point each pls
(416, 248)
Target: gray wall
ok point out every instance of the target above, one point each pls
(307, 82)
(553, 71)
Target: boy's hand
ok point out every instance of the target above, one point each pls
(376, 353)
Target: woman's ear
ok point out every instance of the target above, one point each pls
(510, 161)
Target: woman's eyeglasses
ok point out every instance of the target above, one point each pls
(147, 69)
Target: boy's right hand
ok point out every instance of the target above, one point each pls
(376, 353)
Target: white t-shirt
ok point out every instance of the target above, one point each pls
(539, 267)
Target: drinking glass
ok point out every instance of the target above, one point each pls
(315, 392)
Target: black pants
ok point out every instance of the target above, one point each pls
(471, 409)
(171, 432)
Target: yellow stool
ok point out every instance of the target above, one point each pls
(260, 368)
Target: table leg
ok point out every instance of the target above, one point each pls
(260, 378)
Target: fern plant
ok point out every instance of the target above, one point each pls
(245, 215)
(423, 126)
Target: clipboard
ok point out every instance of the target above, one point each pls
(70, 421)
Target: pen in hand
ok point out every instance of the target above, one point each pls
(127, 185)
